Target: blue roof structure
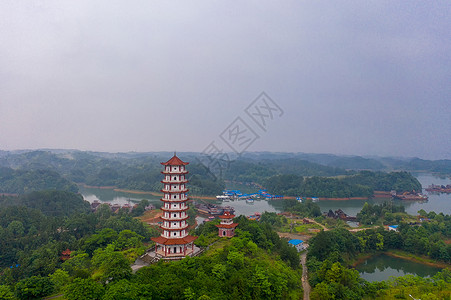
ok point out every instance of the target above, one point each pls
(393, 226)
(295, 242)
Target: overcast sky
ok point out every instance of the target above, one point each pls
(349, 77)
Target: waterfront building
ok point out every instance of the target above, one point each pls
(226, 227)
(174, 241)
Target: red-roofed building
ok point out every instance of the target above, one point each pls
(65, 255)
(226, 227)
(174, 241)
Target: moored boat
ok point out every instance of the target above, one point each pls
(413, 196)
(439, 188)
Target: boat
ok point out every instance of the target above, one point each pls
(439, 188)
(229, 209)
(250, 200)
(223, 198)
(211, 209)
(412, 196)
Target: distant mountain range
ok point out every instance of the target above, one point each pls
(46, 157)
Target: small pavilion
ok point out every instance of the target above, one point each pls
(226, 227)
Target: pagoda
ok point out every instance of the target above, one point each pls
(226, 227)
(174, 242)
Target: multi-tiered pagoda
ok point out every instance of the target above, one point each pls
(226, 227)
(174, 241)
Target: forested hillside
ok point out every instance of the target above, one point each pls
(256, 264)
(362, 184)
(24, 181)
(282, 173)
(49, 202)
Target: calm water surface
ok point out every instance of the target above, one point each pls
(381, 267)
(436, 202)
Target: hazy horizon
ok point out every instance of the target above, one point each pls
(181, 153)
(348, 78)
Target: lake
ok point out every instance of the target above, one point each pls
(381, 267)
(116, 197)
(436, 202)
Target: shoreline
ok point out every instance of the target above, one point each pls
(97, 186)
(402, 255)
(138, 192)
(421, 260)
(377, 194)
(361, 258)
(326, 198)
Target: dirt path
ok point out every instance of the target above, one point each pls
(313, 221)
(292, 236)
(360, 229)
(305, 283)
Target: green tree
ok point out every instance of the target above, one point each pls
(113, 265)
(128, 239)
(34, 287)
(16, 228)
(123, 290)
(59, 279)
(6, 293)
(83, 289)
(322, 291)
(78, 266)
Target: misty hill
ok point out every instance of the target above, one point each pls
(24, 181)
(26, 171)
(50, 203)
(347, 162)
(361, 184)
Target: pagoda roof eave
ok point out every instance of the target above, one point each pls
(226, 217)
(175, 161)
(177, 241)
(173, 228)
(174, 209)
(227, 226)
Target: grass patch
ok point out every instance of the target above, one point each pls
(217, 246)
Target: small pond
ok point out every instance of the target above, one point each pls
(381, 267)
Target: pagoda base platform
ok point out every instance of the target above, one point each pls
(152, 256)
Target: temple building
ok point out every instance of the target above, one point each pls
(226, 227)
(174, 242)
